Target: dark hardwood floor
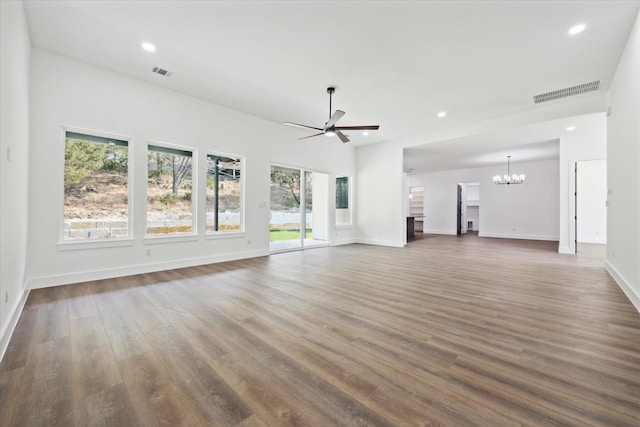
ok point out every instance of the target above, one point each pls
(454, 331)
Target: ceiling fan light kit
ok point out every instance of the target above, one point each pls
(509, 179)
(330, 128)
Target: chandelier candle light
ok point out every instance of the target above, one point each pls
(508, 178)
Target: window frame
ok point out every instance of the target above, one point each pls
(232, 233)
(349, 223)
(78, 244)
(172, 237)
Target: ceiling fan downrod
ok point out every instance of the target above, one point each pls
(330, 91)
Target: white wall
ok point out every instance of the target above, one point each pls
(623, 171)
(67, 92)
(380, 198)
(579, 145)
(591, 203)
(473, 191)
(14, 164)
(526, 211)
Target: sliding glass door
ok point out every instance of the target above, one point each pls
(285, 221)
(298, 209)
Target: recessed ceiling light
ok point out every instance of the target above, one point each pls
(442, 114)
(570, 128)
(365, 133)
(576, 29)
(148, 47)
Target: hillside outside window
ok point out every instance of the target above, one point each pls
(224, 194)
(96, 188)
(170, 186)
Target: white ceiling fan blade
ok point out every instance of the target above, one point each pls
(334, 118)
(311, 136)
(301, 126)
(342, 136)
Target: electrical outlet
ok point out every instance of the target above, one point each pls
(6, 297)
(248, 242)
(148, 252)
(9, 157)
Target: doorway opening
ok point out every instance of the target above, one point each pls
(416, 208)
(298, 214)
(468, 208)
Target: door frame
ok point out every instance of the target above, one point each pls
(302, 207)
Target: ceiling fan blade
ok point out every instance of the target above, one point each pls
(301, 126)
(364, 127)
(342, 136)
(311, 136)
(333, 119)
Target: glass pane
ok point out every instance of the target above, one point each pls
(317, 210)
(223, 194)
(169, 187)
(285, 205)
(96, 193)
(343, 214)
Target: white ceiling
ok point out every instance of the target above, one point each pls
(394, 63)
(533, 142)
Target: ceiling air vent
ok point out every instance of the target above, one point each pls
(570, 91)
(162, 72)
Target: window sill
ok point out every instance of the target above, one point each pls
(225, 235)
(75, 245)
(157, 240)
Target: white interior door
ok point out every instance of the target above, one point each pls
(591, 197)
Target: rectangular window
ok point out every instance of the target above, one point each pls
(224, 193)
(343, 213)
(169, 191)
(96, 190)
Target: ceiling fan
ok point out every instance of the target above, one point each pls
(330, 127)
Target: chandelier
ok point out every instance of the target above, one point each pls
(508, 178)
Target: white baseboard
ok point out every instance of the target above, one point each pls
(7, 332)
(447, 232)
(520, 236)
(565, 250)
(593, 241)
(633, 296)
(380, 242)
(109, 273)
(341, 242)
